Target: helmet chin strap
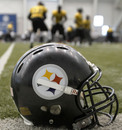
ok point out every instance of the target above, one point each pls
(66, 89)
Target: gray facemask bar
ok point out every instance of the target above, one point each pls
(94, 109)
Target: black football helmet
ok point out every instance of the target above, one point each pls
(55, 85)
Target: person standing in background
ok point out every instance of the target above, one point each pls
(87, 29)
(109, 36)
(37, 15)
(58, 17)
(79, 32)
(70, 34)
(10, 35)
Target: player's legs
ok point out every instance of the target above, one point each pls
(53, 31)
(81, 34)
(61, 31)
(45, 35)
(87, 36)
(35, 26)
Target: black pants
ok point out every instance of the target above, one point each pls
(70, 36)
(110, 37)
(87, 36)
(38, 23)
(8, 37)
(79, 32)
(58, 27)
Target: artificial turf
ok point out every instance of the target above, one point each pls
(107, 56)
(3, 48)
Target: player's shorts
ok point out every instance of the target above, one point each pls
(38, 23)
(58, 27)
(79, 32)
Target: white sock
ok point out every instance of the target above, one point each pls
(32, 37)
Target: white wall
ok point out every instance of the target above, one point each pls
(107, 9)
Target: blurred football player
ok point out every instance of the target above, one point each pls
(79, 25)
(109, 36)
(70, 34)
(10, 34)
(58, 17)
(10, 27)
(37, 15)
(87, 29)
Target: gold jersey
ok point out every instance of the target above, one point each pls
(10, 26)
(58, 16)
(110, 30)
(69, 29)
(86, 24)
(79, 20)
(38, 11)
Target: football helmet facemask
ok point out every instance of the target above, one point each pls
(55, 85)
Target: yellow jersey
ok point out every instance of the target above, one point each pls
(58, 16)
(38, 11)
(110, 30)
(10, 26)
(79, 20)
(69, 29)
(86, 24)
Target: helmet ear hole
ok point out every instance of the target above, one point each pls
(36, 52)
(20, 67)
(64, 48)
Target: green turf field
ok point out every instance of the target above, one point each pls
(107, 57)
(3, 48)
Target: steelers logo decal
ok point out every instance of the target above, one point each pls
(52, 73)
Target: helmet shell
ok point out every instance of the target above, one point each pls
(72, 67)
